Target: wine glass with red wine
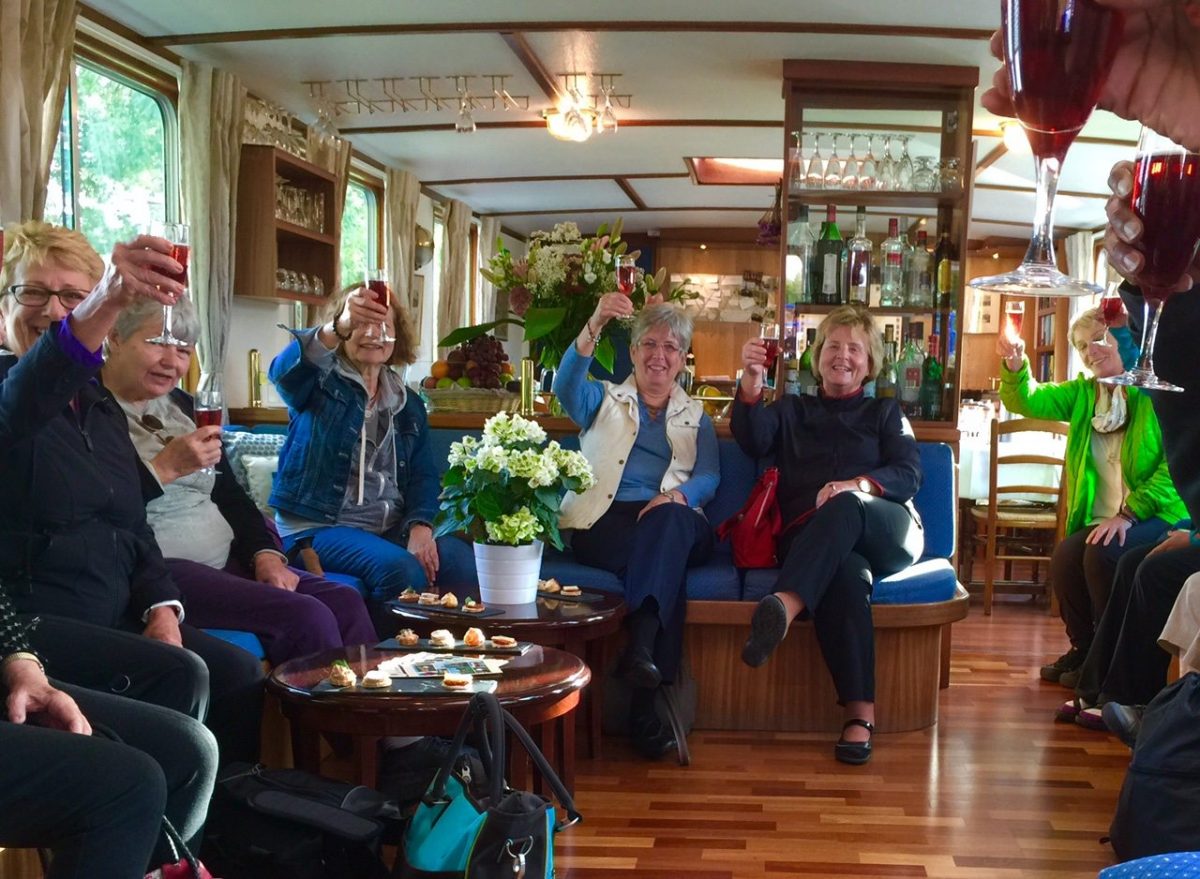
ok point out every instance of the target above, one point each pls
(177, 234)
(1166, 198)
(1058, 53)
(377, 284)
(1014, 319)
(770, 339)
(209, 410)
(626, 274)
(1112, 311)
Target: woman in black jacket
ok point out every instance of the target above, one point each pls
(217, 545)
(848, 470)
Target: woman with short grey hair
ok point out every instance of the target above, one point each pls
(654, 453)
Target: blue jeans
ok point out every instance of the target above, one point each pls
(387, 568)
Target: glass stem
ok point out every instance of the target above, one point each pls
(1041, 246)
(168, 310)
(1145, 362)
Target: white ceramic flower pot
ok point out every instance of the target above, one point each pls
(508, 574)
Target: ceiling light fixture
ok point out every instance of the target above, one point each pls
(578, 115)
(1014, 136)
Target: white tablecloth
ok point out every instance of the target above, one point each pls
(975, 459)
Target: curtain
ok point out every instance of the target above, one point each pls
(36, 42)
(401, 199)
(456, 265)
(1081, 264)
(210, 128)
(489, 231)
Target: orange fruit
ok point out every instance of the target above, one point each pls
(440, 369)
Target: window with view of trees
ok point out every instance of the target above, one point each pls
(111, 173)
(359, 234)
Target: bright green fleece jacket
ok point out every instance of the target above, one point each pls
(1143, 464)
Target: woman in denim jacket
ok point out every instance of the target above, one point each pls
(356, 474)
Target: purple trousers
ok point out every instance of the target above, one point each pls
(320, 614)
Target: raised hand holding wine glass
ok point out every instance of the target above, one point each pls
(1057, 54)
(177, 234)
(1166, 199)
(378, 286)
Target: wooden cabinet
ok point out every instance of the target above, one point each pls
(932, 102)
(267, 243)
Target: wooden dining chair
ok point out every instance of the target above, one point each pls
(1004, 525)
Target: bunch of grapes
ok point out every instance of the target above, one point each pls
(485, 362)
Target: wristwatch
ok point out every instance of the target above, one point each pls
(864, 485)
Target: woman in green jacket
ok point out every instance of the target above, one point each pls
(1118, 491)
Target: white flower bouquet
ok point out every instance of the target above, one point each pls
(506, 488)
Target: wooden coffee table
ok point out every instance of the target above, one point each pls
(539, 688)
(580, 628)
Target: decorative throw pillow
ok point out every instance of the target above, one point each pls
(260, 477)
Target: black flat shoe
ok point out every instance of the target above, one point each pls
(651, 738)
(637, 668)
(854, 753)
(767, 628)
(1124, 721)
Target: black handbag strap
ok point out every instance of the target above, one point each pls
(489, 718)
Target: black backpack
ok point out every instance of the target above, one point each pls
(291, 824)
(1159, 807)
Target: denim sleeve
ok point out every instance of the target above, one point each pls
(424, 479)
(579, 397)
(295, 370)
(706, 475)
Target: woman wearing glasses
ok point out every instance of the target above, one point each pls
(218, 547)
(654, 453)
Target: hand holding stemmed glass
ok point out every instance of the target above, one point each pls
(1056, 60)
(377, 285)
(1164, 212)
(177, 235)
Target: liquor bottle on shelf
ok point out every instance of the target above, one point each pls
(827, 261)
(885, 382)
(799, 258)
(891, 271)
(946, 267)
(860, 253)
(918, 286)
(687, 378)
(931, 383)
(909, 373)
(806, 381)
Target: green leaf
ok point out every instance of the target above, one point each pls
(549, 498)
(602, 230)
(454, 476)
(464, 334)
(540, 322)
(617, 227)
(605, 354)
(489, 504)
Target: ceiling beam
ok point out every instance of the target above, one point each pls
(1029, 190)
(630, 192)
(531, 62)
(998, 152)
(594, 26)
(551, 178)
(625, 123)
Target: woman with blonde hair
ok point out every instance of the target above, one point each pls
(848, 470)
(356, 474)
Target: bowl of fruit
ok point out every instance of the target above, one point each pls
(475, 377)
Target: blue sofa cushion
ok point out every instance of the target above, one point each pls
(926, 581)
(716, 581)
(349, 580)
(246, 640)
(937, 500)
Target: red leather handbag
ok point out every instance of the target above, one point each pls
(185, 866)
(753, 530)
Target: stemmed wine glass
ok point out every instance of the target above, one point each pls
(887, 166)
(850, 169)
(1166, 198)
(795, 167)
(1057, 60)
(377, 284)
(814, 176)
(904, 167)
(769, 333)
(867, 170)
(1014, 319)
(1111, 311)
(626, 274)
(177, 234)
(209, 410)
(833, 168)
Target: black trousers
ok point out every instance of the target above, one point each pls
(652, 557)
(212, 680)
(1082, 575)
(831, 562)
(99, 804)
(1125, 663)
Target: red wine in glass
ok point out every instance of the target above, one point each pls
(383, 293)
(1166, 196)
(207, 417)
(772, 351)
(626, 276)
(1111, 310)
(179, 253)
(1060, 52)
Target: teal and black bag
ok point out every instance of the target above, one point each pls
(494, 833)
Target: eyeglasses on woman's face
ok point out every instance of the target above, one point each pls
(36, 296)
(650, 346)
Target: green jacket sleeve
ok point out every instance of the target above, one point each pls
(1155, 495)
(1024, 396)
